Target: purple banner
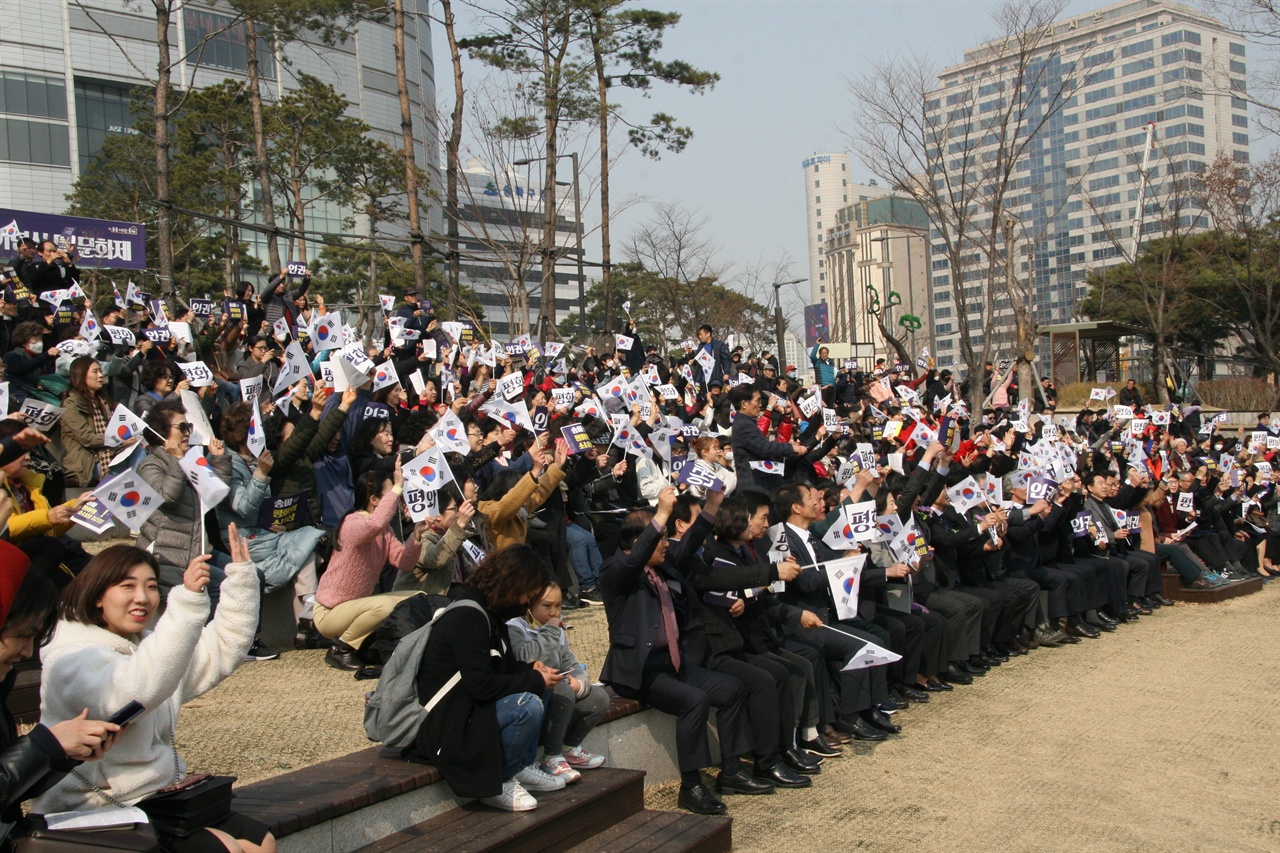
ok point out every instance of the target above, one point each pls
(97, 242)
(815, 324)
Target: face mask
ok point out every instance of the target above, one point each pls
(35, 348)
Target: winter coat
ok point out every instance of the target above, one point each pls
(461, 736)
(278, 555)
(80, 441)
(86, 666)
(175, 532)
(26, 525)
(504, 523)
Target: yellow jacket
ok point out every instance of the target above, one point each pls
(28, 525)
(502, 517)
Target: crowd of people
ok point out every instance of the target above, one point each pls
(808, 557)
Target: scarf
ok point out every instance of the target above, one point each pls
(98, 413)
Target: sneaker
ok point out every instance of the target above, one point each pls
(514, 798)
(590, 595)
(579, 757)
(260, 652)
(555, 765)
(534, 778)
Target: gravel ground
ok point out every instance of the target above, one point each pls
(1158, 737)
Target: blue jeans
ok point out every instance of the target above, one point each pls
(585, 554)
(520, 719)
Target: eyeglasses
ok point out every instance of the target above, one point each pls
(184, 428)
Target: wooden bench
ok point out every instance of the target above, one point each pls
(1174, 590)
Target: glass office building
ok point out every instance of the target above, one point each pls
(1079, 186)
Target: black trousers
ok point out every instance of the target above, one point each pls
(1104, 590)
(997, 610)
(816, 658)
(1063, 589)
(854, 691)
(689, 695)
(804, 691)
(906, 637)
(1026, 596)
(768, 700)
(963, 614)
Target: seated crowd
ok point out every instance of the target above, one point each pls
(807, 559)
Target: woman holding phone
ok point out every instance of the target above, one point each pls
(103, 657)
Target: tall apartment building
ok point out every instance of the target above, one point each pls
(500, 239)
(67, 83)
(1080, 185)
(877, 258)
(827, 189)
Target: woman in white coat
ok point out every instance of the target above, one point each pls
(102, 657)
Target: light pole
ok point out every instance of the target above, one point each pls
(577, 219)
(777, 320)
(910, 282)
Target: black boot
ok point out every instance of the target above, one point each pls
(344, 657)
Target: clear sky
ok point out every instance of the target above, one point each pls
(782, 96)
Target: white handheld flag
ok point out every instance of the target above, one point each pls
(516, 417)
(326, 333)
(429, 470)
(296, 367)
(450, 433)
(624, 343)
(123, 426)
(200, 474)
(129, 498)
(256, 440)
(89, 329)
(384, 376)
(844, 577)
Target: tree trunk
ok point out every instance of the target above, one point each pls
(372, 309)
(299, 216)
(267, 203)
(551, 115)
(410, 162)
(452, 148)
(606, 271)
(164, 83)
(900, 352)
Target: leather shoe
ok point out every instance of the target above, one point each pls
(975, 669)
(1161, 600)
(821, 748)
(1068, 640)
(859, 729)
(697, 799)
(344, 657)
(934, 685)
(912, 693)
(1109, 627)
(1083, 630)
(783, 776)
(1138, 607)
(833, 735)
(1100, 619)
(880, 721)
(955, 675)
(802, 762)
(743, 782)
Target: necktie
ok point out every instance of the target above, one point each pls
(668, 616)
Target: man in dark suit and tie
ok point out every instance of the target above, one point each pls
(653, 656)
(861, 691)
(750, 445)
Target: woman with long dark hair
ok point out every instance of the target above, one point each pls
(85, 454)
(485, 704)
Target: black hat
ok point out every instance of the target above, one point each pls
(413, 291)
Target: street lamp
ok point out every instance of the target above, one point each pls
(777, 319)
(577, 218)
(910, 282)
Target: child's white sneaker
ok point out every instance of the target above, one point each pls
(514, 798)
(556, 765)
(580, 758)
(534, 778)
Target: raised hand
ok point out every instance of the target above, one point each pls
(788, 570)
(466, 512)
(239, 550)
(265, 462)
(196, 577)
(83, 739)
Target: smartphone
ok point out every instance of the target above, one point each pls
(564, 672)
(127, 714)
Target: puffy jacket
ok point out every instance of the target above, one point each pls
(174, 532)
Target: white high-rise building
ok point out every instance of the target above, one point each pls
(827, 189)
(1080, 184)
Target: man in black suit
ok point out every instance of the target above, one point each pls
(655, 657)
(750, 445)
(861, 691)
(722, 367)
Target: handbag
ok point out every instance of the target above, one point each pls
(186, 806)
(190, 805)
(39, 838)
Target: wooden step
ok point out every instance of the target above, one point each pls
(563, 818)
(1174, 589)
(24, 698)
(663, 832)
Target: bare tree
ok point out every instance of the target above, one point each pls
(674, 244)
(956, 151)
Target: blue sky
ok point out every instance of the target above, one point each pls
(782, 96)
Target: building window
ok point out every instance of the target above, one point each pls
(1240, 138)
(1240, 121)
(38, 142)
(102, 110)
(817, 184)
(32, 95)
(226, 47)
